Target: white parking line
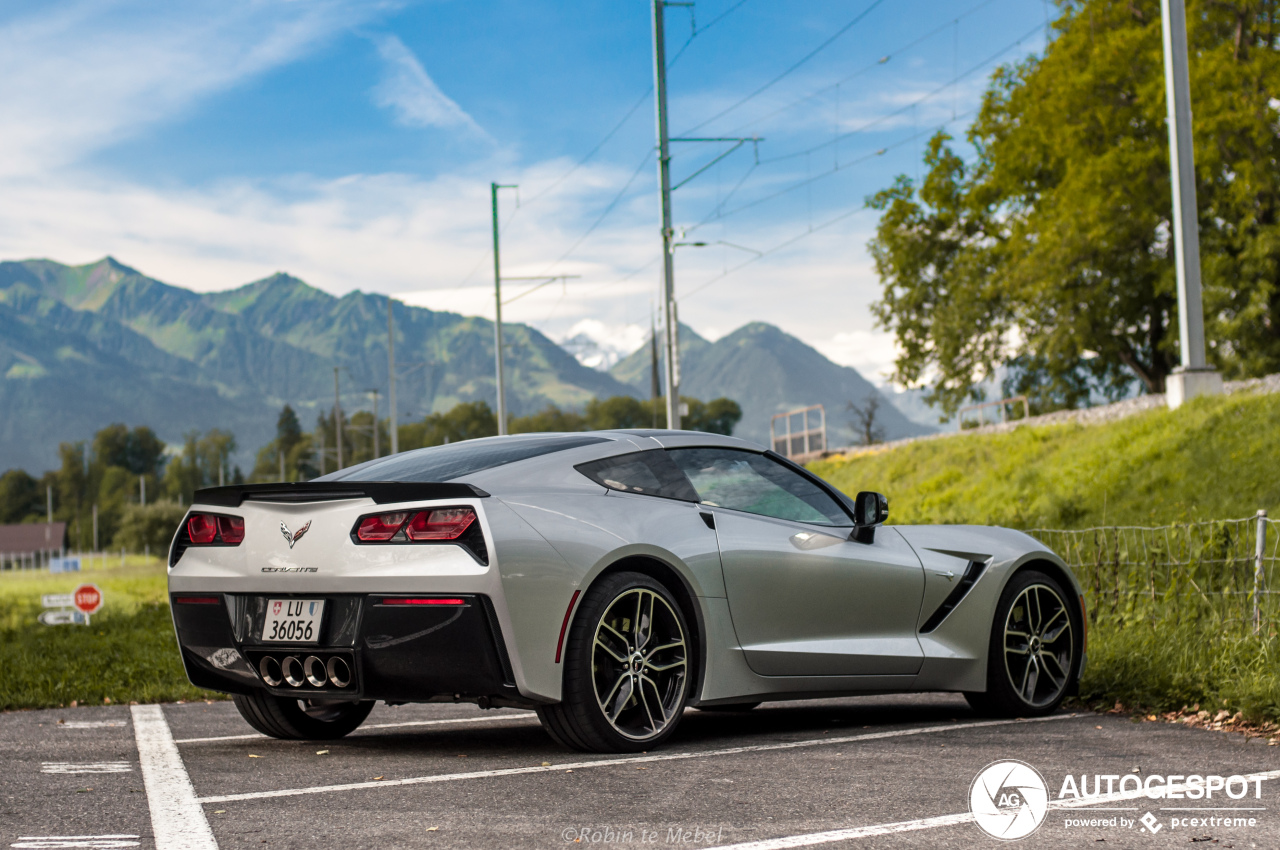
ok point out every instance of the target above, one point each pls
(831, 836)
(94, 767)
(556, 768)
(95, 842)
(177, 818)
(523, 717)
(91, 724)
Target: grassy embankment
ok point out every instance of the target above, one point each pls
(1212, 459)
(127, 653)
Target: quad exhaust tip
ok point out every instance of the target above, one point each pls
(292, 669)
(270, 670)
(314, 671)
(339, 672)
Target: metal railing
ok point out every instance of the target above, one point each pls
(802, 435)
(1003, 404)
(1223, 570)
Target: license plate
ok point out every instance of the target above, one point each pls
(293, 620)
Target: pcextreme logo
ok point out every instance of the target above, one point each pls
(1009, 799)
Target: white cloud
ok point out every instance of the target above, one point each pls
(84, 76)
(412, 95)
(870, 352)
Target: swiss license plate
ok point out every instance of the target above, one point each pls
(293, 620)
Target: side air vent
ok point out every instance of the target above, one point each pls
(971, 574)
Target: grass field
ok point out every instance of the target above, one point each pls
(1214, 458)
(127, 653)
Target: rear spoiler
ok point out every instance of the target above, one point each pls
(381, 492)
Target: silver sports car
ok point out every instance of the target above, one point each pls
(607, 580)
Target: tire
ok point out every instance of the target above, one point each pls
(1037, 620)
(737, 707)
(316, 720)
(640, 667)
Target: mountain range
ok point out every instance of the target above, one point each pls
(83, 346)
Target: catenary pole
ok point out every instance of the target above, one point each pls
(1194, 377)
(337, 416)
(391, 380)
(497, 301)
(1182, 164)
(671, 341)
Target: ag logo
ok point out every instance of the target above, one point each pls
(1008, 799)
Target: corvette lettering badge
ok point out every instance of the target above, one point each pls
(294, 537)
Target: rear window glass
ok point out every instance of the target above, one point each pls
(651, 473)
(454, 460)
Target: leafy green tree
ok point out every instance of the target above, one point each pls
(149, 527)
(718, 416)
(550, 419)
(1053, 246)
(21, 497)
(464, 421)
(139, 451)
(620, 411)
(299, 460)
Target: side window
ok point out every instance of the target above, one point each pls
(652, 473)
(745, 481)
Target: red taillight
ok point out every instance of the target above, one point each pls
(202, 528)
(231, 528)
(400, 600)
(447, 524)
(197, 600)
(379, 528)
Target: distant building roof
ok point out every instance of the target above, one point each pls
(32, 537)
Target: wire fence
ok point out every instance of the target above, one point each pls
(1222, 571)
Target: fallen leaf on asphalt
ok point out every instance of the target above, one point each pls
(220, 812)
(322, 752)
(252, 756)
(376, 778)
(432, 828)
(546, 764)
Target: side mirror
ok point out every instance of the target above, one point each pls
(869, 510)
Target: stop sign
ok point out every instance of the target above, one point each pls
(87, 598)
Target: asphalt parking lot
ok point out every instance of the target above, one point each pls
(887, 771)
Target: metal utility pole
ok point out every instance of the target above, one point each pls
(1194, 377)
(655, 387)
(337, 415)
(95, 526)
(48, 496)
(391, 378)
(142, 487)
(672, 337)
(376, 451)
(497, 301)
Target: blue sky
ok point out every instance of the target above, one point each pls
(352, 144)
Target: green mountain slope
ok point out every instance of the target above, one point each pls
(83, 346)
(768, 371)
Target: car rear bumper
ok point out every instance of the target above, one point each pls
(394, 652)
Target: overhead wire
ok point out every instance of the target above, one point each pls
(719, 213)
(792, 69)
(841, 217)
(863, 70)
